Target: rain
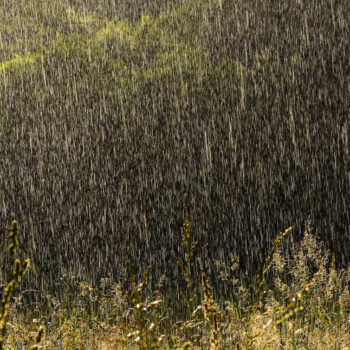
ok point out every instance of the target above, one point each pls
(117, 117)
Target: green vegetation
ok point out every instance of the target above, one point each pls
(117, 115)
(307, 306)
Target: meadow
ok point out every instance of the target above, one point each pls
(299, 301)
(122, 120)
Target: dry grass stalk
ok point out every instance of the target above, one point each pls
(211, 314)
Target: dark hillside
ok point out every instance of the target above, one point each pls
(112, 123)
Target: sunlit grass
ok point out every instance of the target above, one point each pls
(310, 310)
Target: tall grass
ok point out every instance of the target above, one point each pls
(19, 270)
(305, 303)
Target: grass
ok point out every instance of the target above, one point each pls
(300, 301)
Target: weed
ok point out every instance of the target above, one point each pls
(18, 272)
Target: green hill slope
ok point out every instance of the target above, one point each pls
(114, 119)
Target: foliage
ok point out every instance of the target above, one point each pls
(18, 272)
(309, 310)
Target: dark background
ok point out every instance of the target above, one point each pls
(251, 140)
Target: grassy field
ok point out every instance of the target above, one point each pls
(117, 116)
(305, 305)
